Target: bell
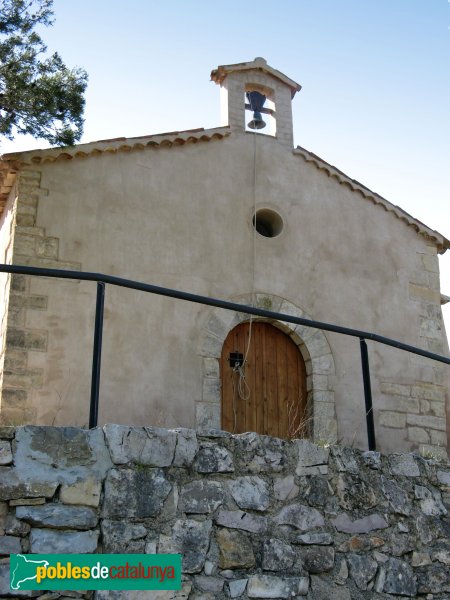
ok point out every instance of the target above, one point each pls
(256, 101)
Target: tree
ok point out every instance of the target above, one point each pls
(39, 95)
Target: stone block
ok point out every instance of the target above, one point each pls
(250, 492)
(211, 367)
(85, 492)
(209, 584)
(318, 345)
(31, 301)
(207, 415)
(323, 589)
(285, 488)
(149, 446)
(319, 382)
(58, 516)
(10, 545)
(420, 559)
(237, 588)
(443, 477)
(395, 389)
(25, 220)
(429, 262)
(372, 522)
(51, 541)
(434, 580)
(404, 464)
(121, 537)
(260, 454)
(400, 579)
(60, 455)
(11, 398)
(219, 323)
(212, 458)
(431, 328)
(438, 438)
(346, 459)
(13, 485)
(428, 391)
(16, 359)
(300, 516)
(430, 501)
(211, 346)
(24, 244)
(323, 365)
(397, 404)
(441, 553)
(437, 408)
(26, 209)
(6, 457)
(38, 231)
(235, 550)
(237, 519)
(426, 421)
(397, 497)
(23, 379)
(353, 493)
(318, 559)
(131, 494)
(211, 390)
(277, 555)
(192, 539)
(15, 527)
(47, 247)
(27, 502)
(267, 586)
(19, 283)
(186, 448)
(417, 434)
(312, 459)
(201, 497)
(392, 419)
(27, 339)
(362, 569)
(422, 293)
(316, 539)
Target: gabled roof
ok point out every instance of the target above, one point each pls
(218, 75)
(437, 238)
(11, 163)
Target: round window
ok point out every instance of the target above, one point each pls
(267, 222)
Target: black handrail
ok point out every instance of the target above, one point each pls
(102, 279)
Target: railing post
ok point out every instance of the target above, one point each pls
(97, 355)
(367, 394)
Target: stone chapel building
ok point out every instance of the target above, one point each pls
(231, 213)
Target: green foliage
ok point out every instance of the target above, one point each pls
(38, 95)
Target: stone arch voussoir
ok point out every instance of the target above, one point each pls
(312, 344)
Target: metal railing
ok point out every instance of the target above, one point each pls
(102, 279)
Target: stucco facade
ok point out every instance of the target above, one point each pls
(177, 210)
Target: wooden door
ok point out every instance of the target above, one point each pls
(271, 400)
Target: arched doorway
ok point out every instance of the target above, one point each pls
(271, 397)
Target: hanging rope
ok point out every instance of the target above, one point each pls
(243, 388)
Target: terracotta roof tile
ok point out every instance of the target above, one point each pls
(437, 238)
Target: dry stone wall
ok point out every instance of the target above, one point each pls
(253, 516)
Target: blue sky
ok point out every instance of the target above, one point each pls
(375, 77)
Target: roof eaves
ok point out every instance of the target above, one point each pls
(441, 242)
(218, 75)
(11, 163)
